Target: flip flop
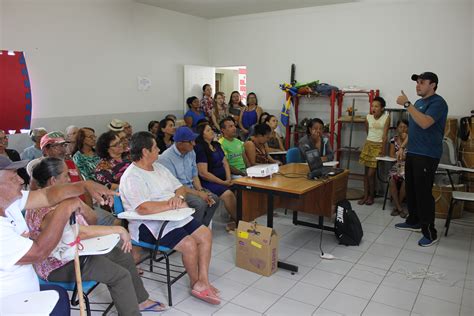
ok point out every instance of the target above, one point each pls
(151, 308)
(207, 296)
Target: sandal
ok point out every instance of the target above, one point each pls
(403, 213)
(362, 201)
(395, 212)
(207, 296)
(152, 308)
(369, 201)
(230, 227)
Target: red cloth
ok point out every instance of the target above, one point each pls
(74, 174)
(15, 92)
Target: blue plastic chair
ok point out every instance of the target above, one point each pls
(87, 288)
(156, 253)
(293, 155)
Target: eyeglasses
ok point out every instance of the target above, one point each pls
(119, 144)
(4, 139)
(64, 145)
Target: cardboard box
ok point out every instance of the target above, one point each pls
(257, 248)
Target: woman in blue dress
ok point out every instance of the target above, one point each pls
(213, 168)
(194, 114)
(250, 114)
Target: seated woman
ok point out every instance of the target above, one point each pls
(148, 187)
(194, 114)
(171, 116)
(214, 170)
(207, 102)
(115, 269)
(261, 120)
(397, 173)
(85, 158)
(250, 114)
(125, 144)
(154, 127)
(315, 139)
(235, 105)
(255, 147)
(34, 151)
(220, 110)
(111, 166)
(13, 155)
(164, 140)
(275, 143)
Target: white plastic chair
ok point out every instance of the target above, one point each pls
(91, 247)
(33, 303)
(457, 196)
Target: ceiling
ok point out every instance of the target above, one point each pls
(212, 9)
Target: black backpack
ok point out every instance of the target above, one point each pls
(464, 128)
(347, 225)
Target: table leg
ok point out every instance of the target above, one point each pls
(239, 206)
(270, 210)
(281, 265)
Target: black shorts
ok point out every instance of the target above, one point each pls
(171, 239)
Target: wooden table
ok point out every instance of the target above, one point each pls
(289, 189)
(292, 190)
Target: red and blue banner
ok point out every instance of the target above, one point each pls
(15, 92)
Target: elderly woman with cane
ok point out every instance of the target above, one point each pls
(19, 252)
(116, 269)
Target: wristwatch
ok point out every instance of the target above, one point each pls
(406, 104)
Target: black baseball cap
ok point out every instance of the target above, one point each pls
(7, 164)
(431, 76)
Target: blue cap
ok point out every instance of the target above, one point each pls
(184, 134)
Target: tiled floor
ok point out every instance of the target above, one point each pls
(374, 278)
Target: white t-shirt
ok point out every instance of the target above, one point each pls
(138, 186)
(15, 278)
(376, 127)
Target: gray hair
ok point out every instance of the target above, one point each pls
(35, 131)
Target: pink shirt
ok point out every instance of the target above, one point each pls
(207, 104)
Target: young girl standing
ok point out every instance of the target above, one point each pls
(376, 124)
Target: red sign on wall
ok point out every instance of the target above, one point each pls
(15, 92)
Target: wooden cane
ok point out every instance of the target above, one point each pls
(77, 267)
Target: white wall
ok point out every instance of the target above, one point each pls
(229, 82)
(84, 57)
(375, 44)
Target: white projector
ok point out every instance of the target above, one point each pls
(261, 171)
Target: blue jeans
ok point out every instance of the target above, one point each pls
(62, 306)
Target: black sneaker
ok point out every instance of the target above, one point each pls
(405, 226)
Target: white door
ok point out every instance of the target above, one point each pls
(194, 78)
